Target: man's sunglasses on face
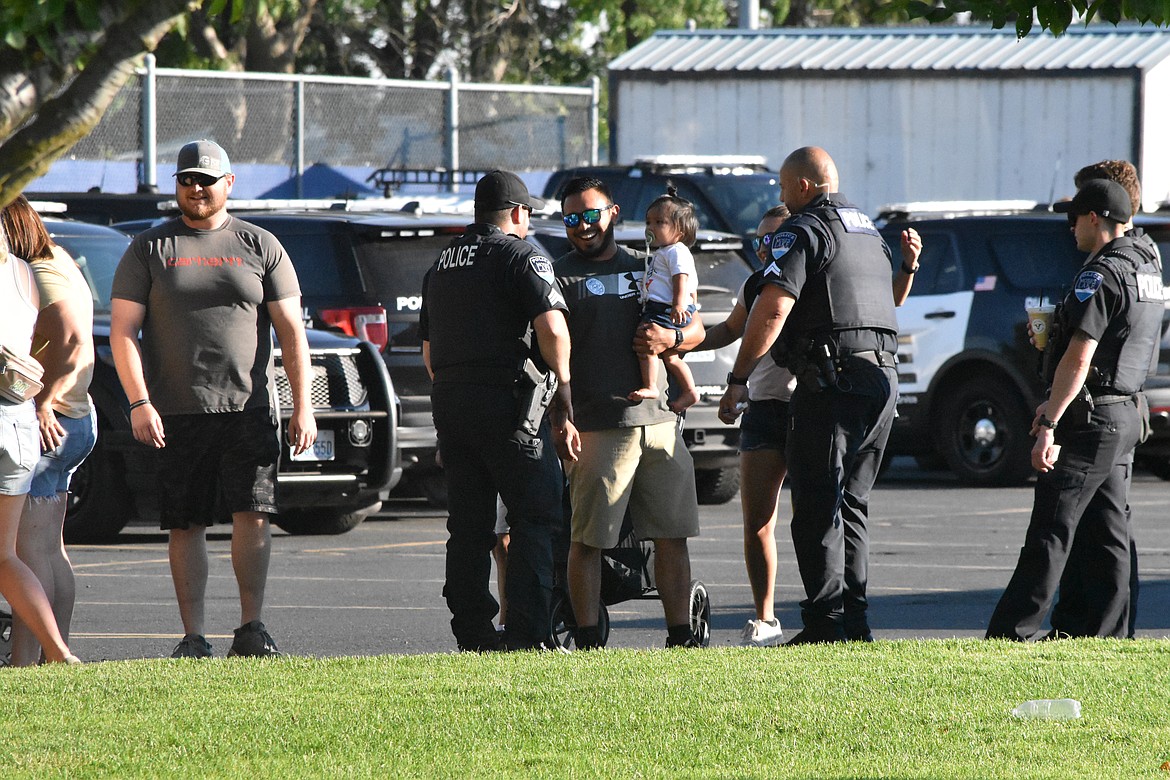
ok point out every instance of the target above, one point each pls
(588, 216)
(202, 179)
(759, 241)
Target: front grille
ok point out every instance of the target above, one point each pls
(337, 383)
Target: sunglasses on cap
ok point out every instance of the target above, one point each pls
(588, 216)
(202, 179)
(759, 241)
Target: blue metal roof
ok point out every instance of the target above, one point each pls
(1098, 47)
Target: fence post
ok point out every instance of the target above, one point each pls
(299, 149)
(453, 128)
(148, 126)
(594, 118)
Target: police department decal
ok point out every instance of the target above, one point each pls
(542, 267)
(781, 243)
(595, 286)
(1087, 284)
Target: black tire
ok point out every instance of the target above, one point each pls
(433, 486)
(700, 602)
(562, 623)
(983, 432)
(323, 521)
(1159, 467)
(717, 486)
(99, 503)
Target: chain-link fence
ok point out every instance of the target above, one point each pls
(290, 123)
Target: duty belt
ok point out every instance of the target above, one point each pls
(870, 356)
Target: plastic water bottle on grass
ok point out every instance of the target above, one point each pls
(1049, 709)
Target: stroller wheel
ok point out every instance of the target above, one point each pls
(562, 622)
(5, 638)
(700, 613)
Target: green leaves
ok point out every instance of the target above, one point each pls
(1055, 16)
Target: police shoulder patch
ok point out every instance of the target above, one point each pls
(1087, 284)
(781, 243)
(542, 266)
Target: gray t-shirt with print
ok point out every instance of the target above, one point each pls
(207, 335)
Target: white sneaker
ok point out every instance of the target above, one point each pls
(762, 633)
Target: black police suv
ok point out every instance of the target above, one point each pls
(721, 269)
(327, 490)
(969, 380)
(730, 193)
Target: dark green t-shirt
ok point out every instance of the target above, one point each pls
(207, 335)
(604, 312)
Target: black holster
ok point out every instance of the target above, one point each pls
(534, 392)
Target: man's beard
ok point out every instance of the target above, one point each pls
(605, 243)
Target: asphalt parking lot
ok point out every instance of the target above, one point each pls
(940, 557)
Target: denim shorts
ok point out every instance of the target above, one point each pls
(20, 447)
(764, 426)
(56, 468)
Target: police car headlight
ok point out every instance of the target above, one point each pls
(361, 433)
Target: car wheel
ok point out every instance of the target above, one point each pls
(433, 486)
(99, 504)
(717, 486)
(1159, 467)
(323, 521)
(983, 433)
(562, 623)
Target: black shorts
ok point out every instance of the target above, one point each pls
(214, 465)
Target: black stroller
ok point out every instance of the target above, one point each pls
(627, 572)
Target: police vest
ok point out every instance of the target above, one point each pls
(1128, 350)
(853, 289)
(478, 331)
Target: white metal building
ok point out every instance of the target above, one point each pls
(908, 114)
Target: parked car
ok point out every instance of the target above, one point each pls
(327, 490)
(969, 378)
(721, 269)
(730, 193)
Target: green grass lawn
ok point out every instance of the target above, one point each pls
(937, 709)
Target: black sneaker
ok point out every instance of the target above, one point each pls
(252, 641)
(192, 646)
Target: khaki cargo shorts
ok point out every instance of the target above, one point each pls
(646, 468)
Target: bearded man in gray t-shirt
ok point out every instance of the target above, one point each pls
(205, 290)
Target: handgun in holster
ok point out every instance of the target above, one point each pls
(534, 392)
(818, 370)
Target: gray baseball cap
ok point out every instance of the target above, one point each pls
(205, 157)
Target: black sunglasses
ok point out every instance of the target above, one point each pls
(588, 216)
(759, 241)
(202, 179)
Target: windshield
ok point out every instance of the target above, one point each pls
(98, 257)
(720, 273)
(742, 200)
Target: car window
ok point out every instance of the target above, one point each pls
(1040, 261)
(721, 272)
(742, 200)
(97, 256)
(940, 270)
(392, 268)
(308, 250)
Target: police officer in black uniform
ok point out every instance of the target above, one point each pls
(483, 300)
(1098, 356)
(826, 311)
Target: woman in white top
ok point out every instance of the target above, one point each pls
(63, 343)
(19, 454)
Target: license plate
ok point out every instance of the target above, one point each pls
(322, 449)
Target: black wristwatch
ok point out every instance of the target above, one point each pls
(732, 379)
(1044, 422)
(908, 270)
(678, 338)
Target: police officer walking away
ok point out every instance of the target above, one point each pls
(1098, 356)
(827, 295)
(483, 299)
